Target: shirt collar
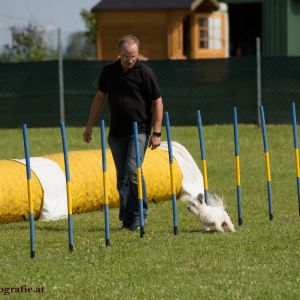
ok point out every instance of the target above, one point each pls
(136, 65)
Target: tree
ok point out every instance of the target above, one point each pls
(82, 45)
(79, 47)
(90, 23)
(28, 45)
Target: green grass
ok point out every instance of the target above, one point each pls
(260, 261)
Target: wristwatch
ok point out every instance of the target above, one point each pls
(158, 134)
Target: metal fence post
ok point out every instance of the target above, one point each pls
(258, 78)
(61, 77)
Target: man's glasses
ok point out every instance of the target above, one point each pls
(129, 57)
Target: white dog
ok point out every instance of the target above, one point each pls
(212, 217)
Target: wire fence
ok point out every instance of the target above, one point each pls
(29, 92)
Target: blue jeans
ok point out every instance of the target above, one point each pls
(123, 152)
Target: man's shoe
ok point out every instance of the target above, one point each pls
(136, 224)
(123, 227)
(126, 225)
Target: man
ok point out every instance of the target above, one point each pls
(133, 95)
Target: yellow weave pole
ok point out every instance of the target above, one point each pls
(105, 183)
(139, 178)
(30, 203)
(203, 158)
(173, 190)
(68, 178)
(295, 132)
(238, 168)
(267, 160)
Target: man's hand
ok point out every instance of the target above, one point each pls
(96, 109)
(87, 134)
(154, 142)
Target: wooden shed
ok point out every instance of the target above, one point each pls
(167, 29)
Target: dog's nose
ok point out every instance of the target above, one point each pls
(189, 208)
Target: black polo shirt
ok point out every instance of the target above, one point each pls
(130, 96)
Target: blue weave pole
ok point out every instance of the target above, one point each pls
(139, 177)
(267, 160)
(105, 182)
(295, 132)
(68, 178)
(173, 189)
(30, 202)
(237, 165)
(203, 158)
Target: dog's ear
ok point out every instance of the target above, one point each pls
(200, 198)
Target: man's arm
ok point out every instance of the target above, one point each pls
(157, 110)
(96, 109)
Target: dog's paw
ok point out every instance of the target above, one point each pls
(206, 229)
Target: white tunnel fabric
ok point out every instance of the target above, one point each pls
(53, 182)
(192, 179)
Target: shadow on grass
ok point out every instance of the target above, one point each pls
(212, 231)
(52, 229)
(201, 231)
(23, 228)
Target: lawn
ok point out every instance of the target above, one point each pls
(259, 261)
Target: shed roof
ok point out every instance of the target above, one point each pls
(152, 4)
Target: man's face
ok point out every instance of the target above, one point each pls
(129, 54)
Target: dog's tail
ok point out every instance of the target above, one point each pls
(215, 200)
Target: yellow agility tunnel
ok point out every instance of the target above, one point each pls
(86, 182)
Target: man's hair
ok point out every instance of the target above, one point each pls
(131, 39)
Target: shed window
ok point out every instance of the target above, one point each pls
(210, 32)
